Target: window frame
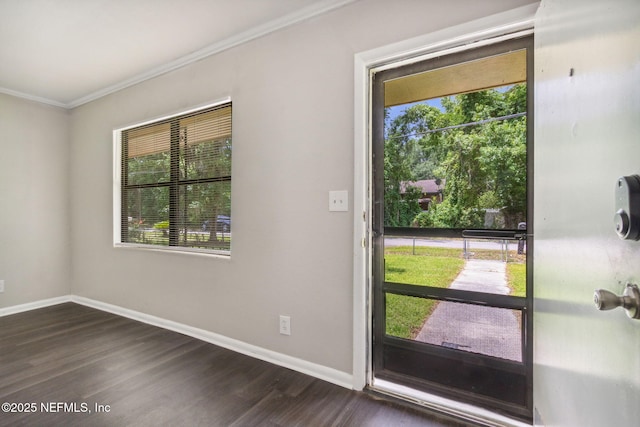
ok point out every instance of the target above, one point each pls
(118, 178)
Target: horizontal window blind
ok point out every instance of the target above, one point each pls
(176, 181)
(148, 140)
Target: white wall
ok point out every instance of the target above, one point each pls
(587, 363)
(34, 201)
(292, 94)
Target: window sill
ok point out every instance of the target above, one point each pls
(175, 250)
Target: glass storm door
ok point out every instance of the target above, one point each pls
(451, 224)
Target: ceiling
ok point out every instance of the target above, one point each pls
(69, 52)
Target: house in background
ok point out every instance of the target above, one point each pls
(431, 191)
(299, 92)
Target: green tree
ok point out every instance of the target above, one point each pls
(147, 206)
(198, 202)
(202, 203)
(483, 164)
(406, 159)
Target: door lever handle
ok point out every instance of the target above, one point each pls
(630, 300)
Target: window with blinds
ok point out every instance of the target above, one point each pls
(176, 182)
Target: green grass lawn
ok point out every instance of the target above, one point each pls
(436, 267)
(517, 278)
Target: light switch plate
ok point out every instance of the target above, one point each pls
(339, 201)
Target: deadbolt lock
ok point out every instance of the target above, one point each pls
(627, 217)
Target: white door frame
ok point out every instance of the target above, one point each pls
(488, 30)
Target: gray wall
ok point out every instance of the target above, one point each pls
(35, 257)
(293, 142)
(292, 94)
(587, 363)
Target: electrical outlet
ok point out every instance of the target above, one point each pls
(1, 285)
(285, 325)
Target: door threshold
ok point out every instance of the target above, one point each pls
(457, 409)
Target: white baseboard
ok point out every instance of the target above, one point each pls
(15, 309)
(318, 371)
(324, 373)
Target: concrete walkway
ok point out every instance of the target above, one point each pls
(477, 329)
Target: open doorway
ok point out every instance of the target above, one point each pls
(451, 225)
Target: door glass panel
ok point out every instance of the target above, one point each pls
(450, 173)
(493, 266)
(472, 328)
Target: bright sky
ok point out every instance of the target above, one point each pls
(399, 109)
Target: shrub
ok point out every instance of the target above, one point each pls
(162, 225)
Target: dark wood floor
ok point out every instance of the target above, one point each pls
(69, 358)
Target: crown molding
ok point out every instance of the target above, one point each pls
(34, 98)
(315, 9)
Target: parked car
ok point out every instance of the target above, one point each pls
(223, 223)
